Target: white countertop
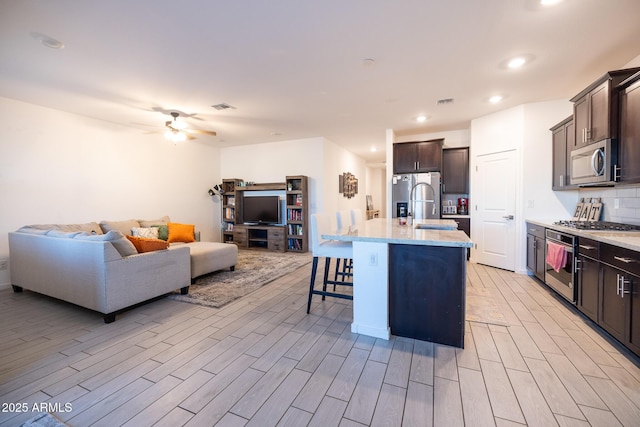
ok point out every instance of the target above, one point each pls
(623, 239)
(388, 230)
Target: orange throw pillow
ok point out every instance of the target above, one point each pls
(143, 244)
(181, 232)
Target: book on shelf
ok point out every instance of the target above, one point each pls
(295, 230)
(294, 214)
(295, 244)
(229, 213)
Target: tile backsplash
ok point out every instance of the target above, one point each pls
(628, 203)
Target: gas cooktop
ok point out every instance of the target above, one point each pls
(598, 225)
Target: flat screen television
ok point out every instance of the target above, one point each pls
(261, 210)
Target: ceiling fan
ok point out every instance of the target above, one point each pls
(177, 131)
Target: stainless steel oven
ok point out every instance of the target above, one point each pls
(562, 281)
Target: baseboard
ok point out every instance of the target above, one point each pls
(4, 286)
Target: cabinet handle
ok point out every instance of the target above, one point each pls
(616, 173)
(587, 247)
(625, 260)
(587, 133)
(584, 134)
(575, 265)
(621, 290)
(561, 180)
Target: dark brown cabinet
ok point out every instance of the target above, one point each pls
(588, 278)
(596, 108)
(619, 302)
(535, 250)
(427, 293)
(563, 141)
(418, 157)
(629, 142)
(455, 170)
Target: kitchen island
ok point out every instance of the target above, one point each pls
(409, 280)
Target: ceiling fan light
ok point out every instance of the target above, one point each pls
(178, 124)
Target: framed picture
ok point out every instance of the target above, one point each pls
(369, 203)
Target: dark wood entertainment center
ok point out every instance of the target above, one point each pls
(292, 236)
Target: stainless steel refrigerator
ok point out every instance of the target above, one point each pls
(426, 195)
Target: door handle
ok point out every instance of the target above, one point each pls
(508, 217)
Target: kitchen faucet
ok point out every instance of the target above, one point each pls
(413, 201)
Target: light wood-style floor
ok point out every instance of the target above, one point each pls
(262, 361)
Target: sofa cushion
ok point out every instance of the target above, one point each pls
(32, 230)
(143, 244)
(89, 227)
(163, 231)
(118, 240)
(64, 234)
(122, 226)
(146, 232)
(181, 232)
(148, 223)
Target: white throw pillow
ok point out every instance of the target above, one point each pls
(146, 232)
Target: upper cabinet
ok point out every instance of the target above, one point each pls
(563, 140)
(596, 108)
(629, 143)
(417, 157)
(455, 170)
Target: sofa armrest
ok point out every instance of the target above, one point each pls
(138, 278)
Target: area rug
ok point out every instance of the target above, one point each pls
(253, 270)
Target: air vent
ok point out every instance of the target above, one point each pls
(223, 106)
(445, 101)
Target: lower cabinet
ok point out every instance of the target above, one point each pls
(609, 290)
(588, 282)
(614, 311)
(535, 250)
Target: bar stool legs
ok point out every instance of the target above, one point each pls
(325, 282)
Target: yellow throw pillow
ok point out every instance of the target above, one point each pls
(181, 232)
(143, 244)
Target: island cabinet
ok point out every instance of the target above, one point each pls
(427, 293)
(417, 157)
(455, 170)
(629, 143)
(596, 108)
(563, 141)
(535, 250)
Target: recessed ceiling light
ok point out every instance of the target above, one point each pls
(549, 2)
(421, 119)
(48, 41)
(374, 149)
(495, 99)
(516, 62)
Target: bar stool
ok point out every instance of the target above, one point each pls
(343, 222)
(327, 249)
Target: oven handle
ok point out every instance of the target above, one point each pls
(567, 248)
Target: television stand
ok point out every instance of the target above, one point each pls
(264, 237)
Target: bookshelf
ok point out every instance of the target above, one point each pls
(297, 213)
(229, 208)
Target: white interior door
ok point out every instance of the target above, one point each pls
(495, 206)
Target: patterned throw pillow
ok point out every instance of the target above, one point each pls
(146, 232)
(181, 232)
(148, 245)
(163, 231)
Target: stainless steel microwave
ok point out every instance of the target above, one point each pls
(594, 165)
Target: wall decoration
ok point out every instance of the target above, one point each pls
(348, 185)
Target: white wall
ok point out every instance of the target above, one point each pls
(57, 167)
(318, 158)
(525, 129)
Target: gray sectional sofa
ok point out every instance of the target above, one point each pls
(94, 266)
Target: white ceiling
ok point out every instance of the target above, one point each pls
(294, 68)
